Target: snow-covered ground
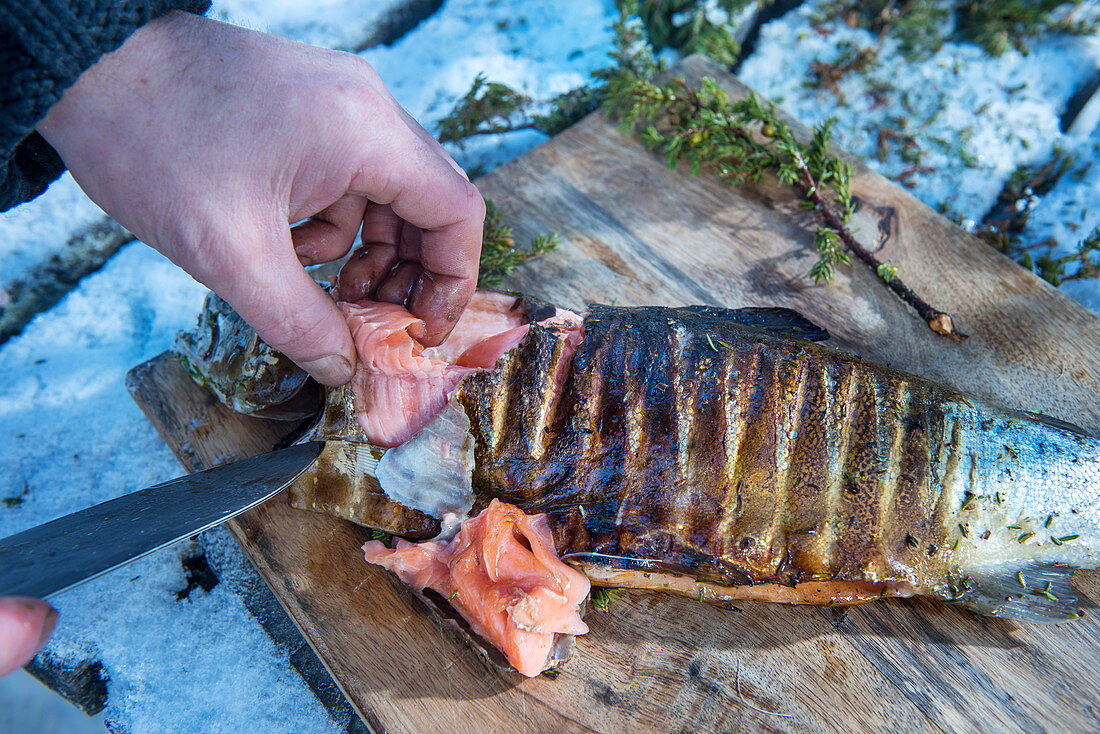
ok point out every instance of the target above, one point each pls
(31, 233)
(976, 118)
(70, 436)
(1071, 210)
(342, 24)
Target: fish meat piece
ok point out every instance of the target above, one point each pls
(502, 574)
(398, 384)
(343, 481)
(395, 383)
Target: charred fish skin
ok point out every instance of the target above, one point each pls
(680, 443)
(718, 454)
(225, 355)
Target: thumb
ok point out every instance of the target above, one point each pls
(25, 625)
(269, 288)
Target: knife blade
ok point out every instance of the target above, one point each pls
(50, 558)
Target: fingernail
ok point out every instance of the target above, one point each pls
(333, 369)
(48, 624)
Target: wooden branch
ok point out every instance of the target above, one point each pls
(937, 320)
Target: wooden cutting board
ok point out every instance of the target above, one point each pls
(637, 233)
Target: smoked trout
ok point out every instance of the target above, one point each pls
(719, 454)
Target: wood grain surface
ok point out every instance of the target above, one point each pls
(635, 232)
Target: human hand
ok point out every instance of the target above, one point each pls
(207, 141)
(25, 625)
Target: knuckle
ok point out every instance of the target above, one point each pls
(363, 71)
(300, 333)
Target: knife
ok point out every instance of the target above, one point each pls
(70, 550)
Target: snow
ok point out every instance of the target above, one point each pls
(1070, 212)
(539, 48)
(31, 233)
(341, 24)
(1002, 111)
(40, 709)
(70, 435)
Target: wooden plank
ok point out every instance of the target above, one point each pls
(636, 232)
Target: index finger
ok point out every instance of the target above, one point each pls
(425, 191)
(25, 625)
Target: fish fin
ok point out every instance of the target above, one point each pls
(431, 472)
(1049, 420)
(780, 321)
(699, 568)
(1046, 594)
(531, 309)
(342, 484)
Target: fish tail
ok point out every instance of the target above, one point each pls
(1035, 591)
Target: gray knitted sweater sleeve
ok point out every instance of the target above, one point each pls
(44, 46)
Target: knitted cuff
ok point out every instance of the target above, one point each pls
(45, 45)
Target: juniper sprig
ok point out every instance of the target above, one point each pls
(691, 26)
(499, 254)
(1009, 24)
(487, 108)
(921, 27)
(745, 140)
(1056, 270)
(602, 597)
(742, 141)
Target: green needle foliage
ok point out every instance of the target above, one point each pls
(707, 129)
(1004, 226)
(567, 108)
(691, 26)
(922, 26)
(742, 141)
(489, 107)
(746, 141)
(1057, 270)
(687, 26)
(1000, 26)
(850, 59)
(602, 597)
(499, 254)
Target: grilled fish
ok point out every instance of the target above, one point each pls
(719, 454)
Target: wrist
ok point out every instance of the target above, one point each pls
(119, 79)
